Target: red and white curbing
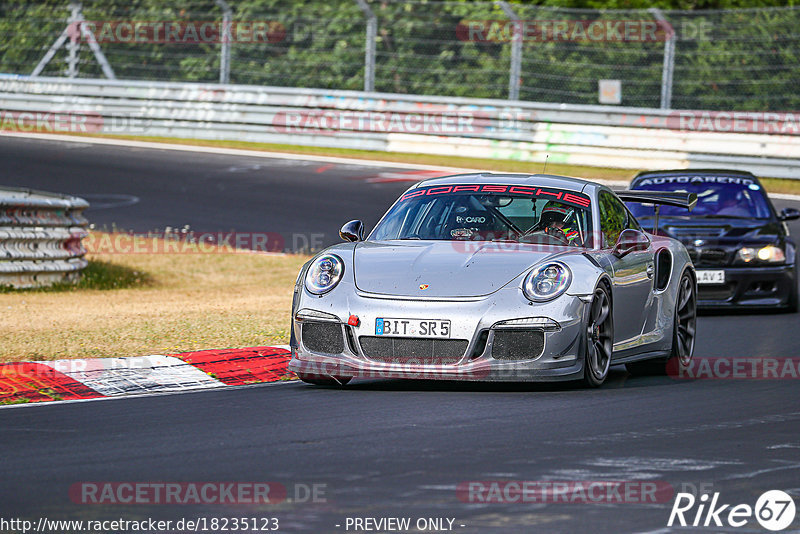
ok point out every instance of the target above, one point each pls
(109, 377)
(118, 376)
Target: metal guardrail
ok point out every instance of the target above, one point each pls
(40, 238)
(608, 136)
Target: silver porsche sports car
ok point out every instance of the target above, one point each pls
(507, 277)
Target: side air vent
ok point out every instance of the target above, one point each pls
(663, 269)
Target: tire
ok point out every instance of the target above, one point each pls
(683, 335)
(318, 380)
(599, 339)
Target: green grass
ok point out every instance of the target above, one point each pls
(14, 401)
(107, 275)
(781, 185)
(100, 275)
(153, 303)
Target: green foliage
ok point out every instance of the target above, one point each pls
(742, 60)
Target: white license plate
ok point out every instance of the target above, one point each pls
(710, 277)
(385, 326)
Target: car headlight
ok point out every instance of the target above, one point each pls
(546, 282)
(324, 273)
(770, 253)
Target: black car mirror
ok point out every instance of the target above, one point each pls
(352, 231)
(789, 214)
(630, 241)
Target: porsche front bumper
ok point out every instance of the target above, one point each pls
(502, 337)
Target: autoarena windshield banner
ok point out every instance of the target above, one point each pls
(572, 198)
(697, 179)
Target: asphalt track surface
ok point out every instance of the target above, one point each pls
(384, 448)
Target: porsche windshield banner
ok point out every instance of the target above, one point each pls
(568, 197)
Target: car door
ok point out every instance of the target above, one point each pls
(633, 268)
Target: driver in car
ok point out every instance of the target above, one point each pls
(730, 204)
(557, 219)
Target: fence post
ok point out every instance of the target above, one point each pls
(74, 44)
(369, 53)
(669, 58)
(515, 71)
(225, 50)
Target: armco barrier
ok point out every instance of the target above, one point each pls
(609, 136)
(40, 238)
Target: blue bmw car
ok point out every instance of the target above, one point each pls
(737, 241)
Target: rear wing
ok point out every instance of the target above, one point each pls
(670, 198)
(657, 198)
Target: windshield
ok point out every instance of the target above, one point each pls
(479, 212)
(717, 196)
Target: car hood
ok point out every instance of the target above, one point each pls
(443, 268)
(718, 230)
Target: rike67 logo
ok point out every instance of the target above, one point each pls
(774, 510)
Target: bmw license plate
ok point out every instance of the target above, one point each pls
(385, 326)
(710, 277)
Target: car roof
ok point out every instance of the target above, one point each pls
(541, 180)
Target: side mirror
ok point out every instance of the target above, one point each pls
(352, 231)
(630, 241)
(789, 214)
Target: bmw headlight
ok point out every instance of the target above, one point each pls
(770, 253)
(546, 282)
(324, 273)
